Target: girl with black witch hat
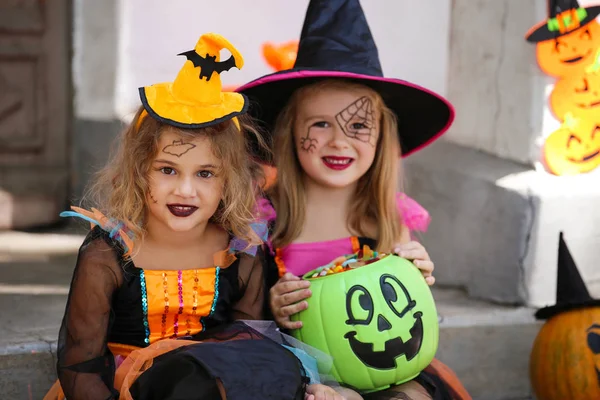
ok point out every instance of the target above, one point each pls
(339, 127)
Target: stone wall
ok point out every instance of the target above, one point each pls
(95, 44)
(496, 214)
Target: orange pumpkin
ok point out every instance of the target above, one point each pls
(579, 95)
(593, 342)
(563, 363)
(574, 148)
(570, 53)
(564, 359)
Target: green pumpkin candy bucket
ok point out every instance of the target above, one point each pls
(378, 321)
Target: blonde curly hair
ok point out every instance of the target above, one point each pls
(119, 190)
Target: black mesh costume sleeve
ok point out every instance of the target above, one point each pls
(252, 284)
(85, 365)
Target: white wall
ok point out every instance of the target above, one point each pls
(95, 36)
(412, 37)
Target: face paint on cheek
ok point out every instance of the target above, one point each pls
(178, 148)
(307, 143)
(358, 120)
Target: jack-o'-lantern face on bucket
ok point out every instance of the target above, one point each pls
(574, 148)
(579, 95)
(378, 322)
(570, 53)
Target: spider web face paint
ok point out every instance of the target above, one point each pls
(358, 120)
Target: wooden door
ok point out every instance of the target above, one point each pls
(35, 111)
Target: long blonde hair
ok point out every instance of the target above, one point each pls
(119, 190)
(373, 203)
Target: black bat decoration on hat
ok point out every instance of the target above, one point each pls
(207, 64)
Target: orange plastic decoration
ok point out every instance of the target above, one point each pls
(570, 53)
(279, 57)
(282, 56)
(270, 175)
(574, 148)
(579, 95)
(571, 16)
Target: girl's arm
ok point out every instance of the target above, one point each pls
(85, 365)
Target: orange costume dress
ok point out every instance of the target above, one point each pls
(121, 320)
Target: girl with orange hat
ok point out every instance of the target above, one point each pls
(173, 257)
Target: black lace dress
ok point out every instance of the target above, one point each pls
(148, 334)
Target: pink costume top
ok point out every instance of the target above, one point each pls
(300, 258)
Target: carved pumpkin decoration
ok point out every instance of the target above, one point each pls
(593, 342)
(565, 361)
(579, 95)
(567, 41)
(562, 340)
(280, 57)
(378, 322)
(574, 148)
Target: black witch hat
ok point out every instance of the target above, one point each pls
(571, 292)
(564, 17)
(336, 43)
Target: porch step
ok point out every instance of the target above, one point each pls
(32, 301)
(486, 345)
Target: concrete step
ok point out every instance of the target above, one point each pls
(505, 219)
(32, 300)
(486, 345)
